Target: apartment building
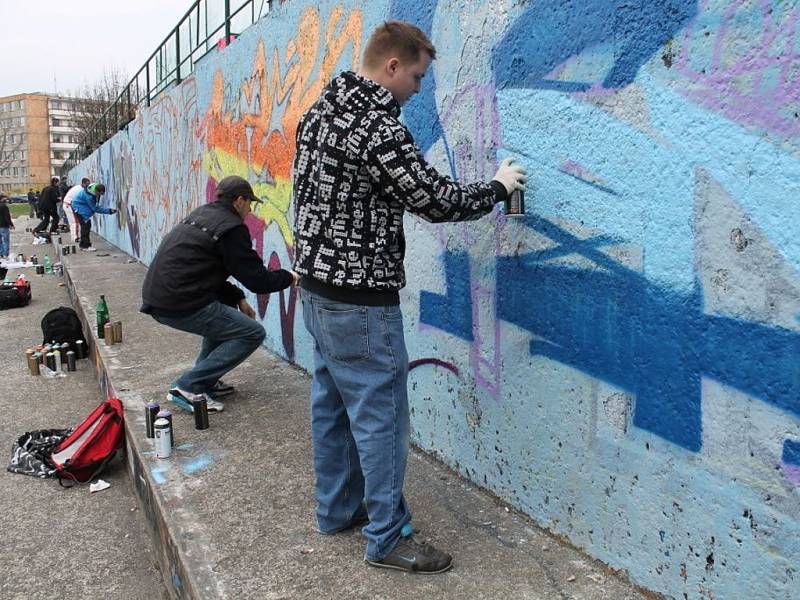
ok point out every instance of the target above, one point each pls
(37, 134)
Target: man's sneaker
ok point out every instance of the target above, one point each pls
(221, 389)
(414, 557)
(184, 399)
(89, 249)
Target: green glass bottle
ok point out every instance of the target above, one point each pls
(48, 264)
(102, 316)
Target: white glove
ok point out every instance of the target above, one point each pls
(512, 176)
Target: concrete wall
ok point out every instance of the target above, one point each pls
(622, 364)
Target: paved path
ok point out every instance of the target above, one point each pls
(233, 507)
(59, 543)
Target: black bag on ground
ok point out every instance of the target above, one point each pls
(62, 325)
(13, 295)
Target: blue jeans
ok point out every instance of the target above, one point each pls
(5, 241)
(359, 418)
(229, 337)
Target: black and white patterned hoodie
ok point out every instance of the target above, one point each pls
(356, 171)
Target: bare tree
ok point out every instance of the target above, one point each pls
(97, 116)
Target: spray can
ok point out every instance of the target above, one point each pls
(73, 250)
(108, 334)
(163, 438)
(51, 361)
(515, 204)
(64, 350)
(200, 410)
(80, 349)
(117, 331)
(165, 414)
(57, 359)
(150, 412)
(33, 364)
(34, 260)
(40, 269)
(70, 360)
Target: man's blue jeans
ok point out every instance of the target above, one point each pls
(229, 337)
(5, 241)
(359, 418)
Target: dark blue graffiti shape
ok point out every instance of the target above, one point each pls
(551, 31)
(451, 313)
(615, 325)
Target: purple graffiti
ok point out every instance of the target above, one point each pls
(757, 85)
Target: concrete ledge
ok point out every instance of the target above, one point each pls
(232, 514)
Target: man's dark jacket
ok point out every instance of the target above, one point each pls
(48, 199)
(5, 216)
(195, 259)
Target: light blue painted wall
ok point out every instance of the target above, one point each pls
(623, 363)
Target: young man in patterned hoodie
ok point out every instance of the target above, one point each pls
(356, 171)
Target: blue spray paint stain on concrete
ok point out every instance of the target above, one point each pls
(551, 31)
(451, 312)
(158, 474)
(197, 464)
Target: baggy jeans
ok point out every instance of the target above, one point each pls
(229, 337)
(359, 418)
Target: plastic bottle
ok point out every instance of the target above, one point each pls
(102, 316)
(48, 264)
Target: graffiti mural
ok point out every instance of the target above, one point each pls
(251, 126)
(623, 363)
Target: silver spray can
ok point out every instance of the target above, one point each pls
(515, 204)
(163, 441)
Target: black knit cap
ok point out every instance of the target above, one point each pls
(233, 186)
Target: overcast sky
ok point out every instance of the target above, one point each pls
(60, 45)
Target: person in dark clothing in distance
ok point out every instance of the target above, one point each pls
(31, 203)
(48, 207)
(6, 225)
(186, 288)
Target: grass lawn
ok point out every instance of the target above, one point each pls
(19, 210)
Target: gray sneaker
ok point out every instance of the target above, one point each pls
(415, 557)
(184, 399)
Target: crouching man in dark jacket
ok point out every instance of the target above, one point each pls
(186, 288)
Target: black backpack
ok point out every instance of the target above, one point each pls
(62, 325)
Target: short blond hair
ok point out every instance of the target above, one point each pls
(396, 38)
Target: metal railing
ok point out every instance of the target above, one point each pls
(207, 25)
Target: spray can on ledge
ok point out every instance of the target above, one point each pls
(102, 316)
(200, 410)
(163, 438)
(165, 414)
(150, 411)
